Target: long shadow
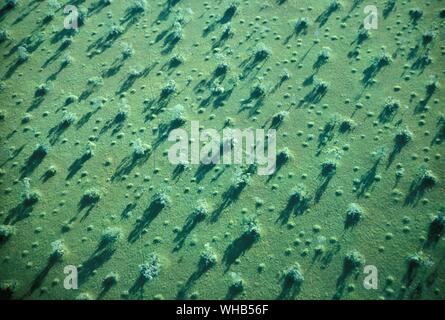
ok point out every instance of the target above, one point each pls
(78, 164)
(182, 292)
(128, 164)
(190, 223)
(132, 77)
(99, 257)
(347, 272)
(55, 132)
(325, 136)
(367, 180)
(148, 216)
(18, 213)
(230, 196)
(295, 205)
(417, 190)
(436, 230)
(323, 18)
(40, 277)
(289, 289)
(33, 161)
(237, 249)
(227, 16)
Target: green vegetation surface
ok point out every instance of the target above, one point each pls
(85, 179)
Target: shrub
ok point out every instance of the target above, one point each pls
(201, 210)
(168, 89)
(283, 156)
(40, 151)
(301, 24)
(262, 52)
(221, 68)
(57, 249)
(161, 199)
(127, 50)
(236, 283)
(278, 118)
(91, 196)
(22, 53)
(298, 194)
(140, 149)
(42, 89)
(110, 279)
(208, 258)
(353, 260)
(252, 229)
(29, 197)
(426, 178)
(347, 125)
(354, 213)
(415, 14)
(293, 275)
(139, 5)
(110, 235)
(329, 167)
(68, 119)
(151, 268)
(4, 35)
(403, 137)
(6, 231)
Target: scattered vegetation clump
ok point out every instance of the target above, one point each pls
(415, 14)
(57, 249)
(293, 275)
(110, 235)
(354, 214)
(347, 125)
(91, 196)
(140, 149)
(22, 54)
(278, 118)
(329, 167)
(151, 268)
(403, 137)
(161, 199)
(236, 283)
(252, 229)
(168, 89)
(262, 52)
(283, 156)
(208, 258)
(29, 196)
(6, 231)
(353, 260)
(201, 211)
(68, 119)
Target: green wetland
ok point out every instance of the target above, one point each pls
(86, 182)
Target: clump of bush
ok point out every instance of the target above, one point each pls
(91, 196)
(208, 258)
(353, 260)
(57, 249)
(293, 275)
(6, 231)
(29, 196)
(403, 137)
(354, 214)
(151, 268)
